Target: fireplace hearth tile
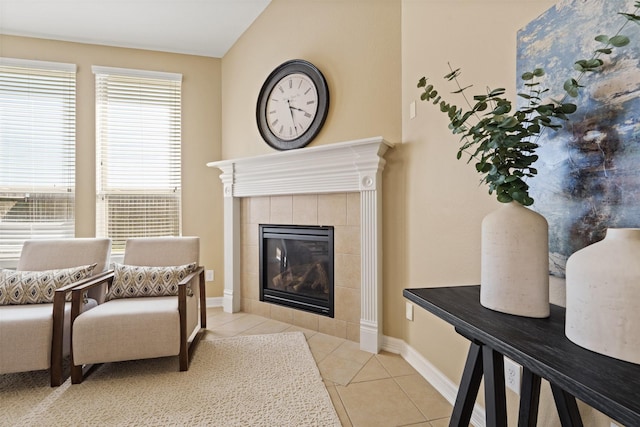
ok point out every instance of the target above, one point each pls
(347, 302)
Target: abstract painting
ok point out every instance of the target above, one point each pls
(589, 171)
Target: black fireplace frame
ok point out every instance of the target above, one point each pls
(289, 299)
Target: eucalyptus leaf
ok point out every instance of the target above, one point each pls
(619, 40)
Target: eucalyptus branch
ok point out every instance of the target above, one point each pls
(502, 142)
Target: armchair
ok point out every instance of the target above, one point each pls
(35, 336)
(154, 307)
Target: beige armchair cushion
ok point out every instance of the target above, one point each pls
(127, 329)
(131, 281)
(37, 287)
(32, 321)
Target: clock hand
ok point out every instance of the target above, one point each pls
(296, 108)
(293, 120)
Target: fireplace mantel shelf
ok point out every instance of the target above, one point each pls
(333, 168)
(351, 166)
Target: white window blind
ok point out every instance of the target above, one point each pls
(37, 153)
(138, 135)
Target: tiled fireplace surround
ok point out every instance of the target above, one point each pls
(337, 184)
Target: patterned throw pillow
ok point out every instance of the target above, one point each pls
(36, 287)
(132, 281)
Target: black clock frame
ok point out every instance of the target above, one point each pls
(292, 67)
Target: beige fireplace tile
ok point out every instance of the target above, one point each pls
(353, 331)
(305, 320)
(347, 240)
(305, 209)
(281, 211)
(347, 270)
(347, 304)
(283, 314)
(353, 209)
(259, 210)
(249, 258)
(249, 287)
(332, 209)
(334, 327)
(249, 234)
(245, 210)
(260, 308)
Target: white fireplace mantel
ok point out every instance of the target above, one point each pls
(351, 166)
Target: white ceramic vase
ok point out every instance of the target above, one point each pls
(515, 262)
(603, 295)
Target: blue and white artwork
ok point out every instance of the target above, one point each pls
(589, 171)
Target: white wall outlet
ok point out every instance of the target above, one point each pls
(409, 311)
(512, 375)
(412, 110)
(208, 275)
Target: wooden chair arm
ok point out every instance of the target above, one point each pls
(187, 280)
(182, 311)
(59, 300)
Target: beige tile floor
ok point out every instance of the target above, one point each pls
(367, 390)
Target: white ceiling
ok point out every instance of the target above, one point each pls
(198, 27)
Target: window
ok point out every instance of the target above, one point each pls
(138, 137)
(37, 153)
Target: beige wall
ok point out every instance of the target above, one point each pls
(356, 45)
(201, 204)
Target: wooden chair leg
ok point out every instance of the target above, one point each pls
(182, 312)
(76, 374)
(203, 301)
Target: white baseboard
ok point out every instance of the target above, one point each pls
(214, 302)
(447, 388)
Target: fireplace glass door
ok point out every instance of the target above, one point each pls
(296, 267)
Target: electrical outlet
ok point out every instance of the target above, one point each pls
(512, 374)
(208, 275)
(412, 110)
(409, 311)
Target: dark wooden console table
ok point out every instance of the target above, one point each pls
(540, 346)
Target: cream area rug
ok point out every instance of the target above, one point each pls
(258, 380)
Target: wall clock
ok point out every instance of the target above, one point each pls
(292, 105)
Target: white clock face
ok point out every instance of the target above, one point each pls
(292, 106)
